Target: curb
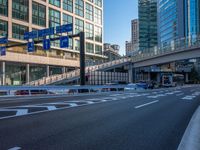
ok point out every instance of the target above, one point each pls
(191, 137)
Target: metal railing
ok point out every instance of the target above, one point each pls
(76, 73)
(9, 91)
(182, 44)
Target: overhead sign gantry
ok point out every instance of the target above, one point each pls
(47, 36)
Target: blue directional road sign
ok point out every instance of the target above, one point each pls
(46, 44)
(30, 46)
(26, 35)
(3, 51)
(3, 40)
(64, 28)
(64, 41)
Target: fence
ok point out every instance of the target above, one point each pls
(56, 90)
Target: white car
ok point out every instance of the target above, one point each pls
(132, 86)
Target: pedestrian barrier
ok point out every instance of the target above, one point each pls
(6, 91)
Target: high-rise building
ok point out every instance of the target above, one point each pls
(177, 19)
(147, 24)
(20, 16)
(128, 46)
(135, 31)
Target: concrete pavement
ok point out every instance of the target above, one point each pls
(151, 120)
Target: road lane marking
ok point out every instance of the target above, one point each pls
(180, 94)
(146, 104)
(188, 97)
(15, 148)
(21, 112)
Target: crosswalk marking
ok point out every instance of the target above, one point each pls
(32, 109)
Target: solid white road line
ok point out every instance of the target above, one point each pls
(146, 104)
(15, 148)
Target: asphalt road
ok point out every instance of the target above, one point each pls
(151, 120)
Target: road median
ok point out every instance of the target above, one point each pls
(191, 137)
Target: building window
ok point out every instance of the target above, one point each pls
(67, 19)
(98, 49)
(20, 9)
(79, 7)
(79, 25)
(89, 29)
(68, 5)
(4, 7)
(39, 14)
(89, 48)
(54, 18)
(89, 12)
(3, 28)
(55, 2)
(18, 31)
(54, 21)
(98, 16)
(98, 34)
(98, 2)
(77, 45)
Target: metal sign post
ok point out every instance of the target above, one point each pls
(64, 40)
(82, 58)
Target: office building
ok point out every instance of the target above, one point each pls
(134, 31)
(111, 51)
(19, 16)
(147, 24)
(177, 19)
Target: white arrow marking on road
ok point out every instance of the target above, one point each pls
(21, 112)
(72, 104)
(37, 106)
(143, 105)
(15, 148)
(188, 97)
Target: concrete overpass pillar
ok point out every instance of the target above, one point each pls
(186, 78)
(130, 74)
(158, 77)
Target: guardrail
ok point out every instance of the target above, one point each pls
(56, 90)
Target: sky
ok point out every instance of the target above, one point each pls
(117, 21)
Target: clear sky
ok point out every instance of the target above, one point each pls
(117, 21)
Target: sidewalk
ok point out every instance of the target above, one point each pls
(191, 137)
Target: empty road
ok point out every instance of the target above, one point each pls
(149, 120)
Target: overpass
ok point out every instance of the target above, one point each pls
(175, 52)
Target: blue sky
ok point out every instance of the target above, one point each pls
(117, 21)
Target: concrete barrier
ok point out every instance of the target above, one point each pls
(191, 137)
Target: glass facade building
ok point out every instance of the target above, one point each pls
(18, 17)
(147, 24)
(177, 19)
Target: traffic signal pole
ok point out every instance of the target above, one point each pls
(82, 58)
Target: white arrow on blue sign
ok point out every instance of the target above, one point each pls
(3, 40)
(30, 46)
(64, 42)
(3, 51)
(46, 44)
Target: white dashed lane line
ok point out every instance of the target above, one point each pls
(146, 104)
